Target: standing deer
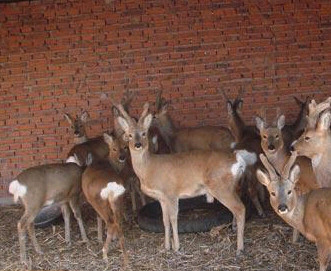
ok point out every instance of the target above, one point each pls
(309, 213)
(43, 185)
(169, 177)
(246, 137)
(103, 188)
(273, 146)
(187, 139)
(315, 142)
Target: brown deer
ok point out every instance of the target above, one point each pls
(43, 185)
(103, 188)
(246, 137)
(273, 146)
(315, 142)
(169, 177)
(186, 139)
(309, 213)
(78, 126)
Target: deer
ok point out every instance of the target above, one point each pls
(186, 139)
(315, 142)
(309, 213)
(246, 137)
(170, 177)
(77, 124)
(44, 185)
(274, 147)
(104, 189)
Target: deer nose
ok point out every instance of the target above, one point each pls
(282, 208)
(122, 158)
(76, 133)
(271, 147)
(137, 145)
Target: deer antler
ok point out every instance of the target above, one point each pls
(225, 96)
(145, 111)
(121, 109)
(127, 99)
(271, 170)
(289, 164)
(315, 110)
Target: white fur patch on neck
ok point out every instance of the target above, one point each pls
(73, 159)
(316, 160)
(17, 189)
(112, 189)
(233, 145)
(80, 140)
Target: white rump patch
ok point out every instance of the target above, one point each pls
(17, 189)
(73, 159)
(233, 145)
(112, 189)
(243, 158)
(250, 158)
(316, 160)
(210, 198)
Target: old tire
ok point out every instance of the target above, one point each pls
(49, 215)
(195, 215)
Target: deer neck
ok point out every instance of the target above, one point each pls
(168, 131)
(295, 217)
(278, 159)
(140, 161)
(80, 140)
(237, 127)
(321, 166)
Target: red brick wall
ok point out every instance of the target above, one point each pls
(71, 55)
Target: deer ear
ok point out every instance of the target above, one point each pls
(84, 116)
(281, 122)
(108, 138)
(295, 174)
(116, 113)
(68, 118)
(147, 121)
(124, 124)
(229, 107)
(259, 123)
(262, 177)
(240, 105)
(164, 108)
(324, 121)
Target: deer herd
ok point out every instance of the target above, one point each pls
(151, 157)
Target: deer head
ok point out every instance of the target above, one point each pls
(136, 132)
(271, 136)
(78, 125)
(283, 197)
(315, 141)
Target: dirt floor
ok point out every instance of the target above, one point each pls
(267, 247)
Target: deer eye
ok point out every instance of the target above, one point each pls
(130, 135)
(114, 149)
(265, 137)
(277, 136)
(273, 194)
(307, 138)
(126, 147)
(289, 192)
(144, 134)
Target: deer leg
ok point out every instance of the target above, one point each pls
(295, 236)
(21, 228)
(74, 205)
(33, 238)
(66, 218)
(99, 221)
(232, 201)
(173, 214)
(323, 256)
(166, 223)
